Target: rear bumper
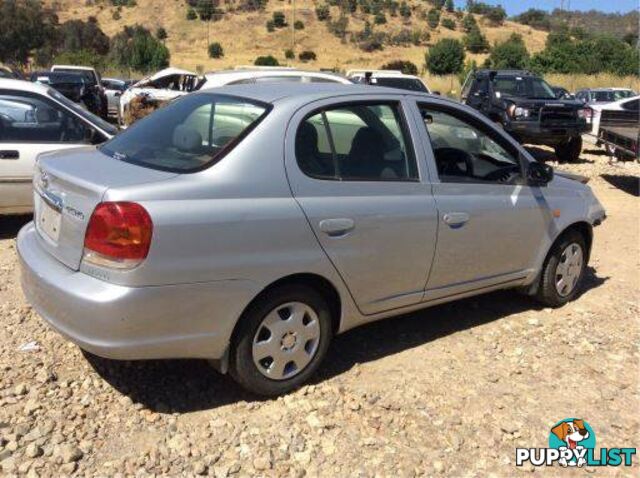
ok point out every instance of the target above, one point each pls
(112, 321)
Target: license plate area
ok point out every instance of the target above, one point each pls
(48, 219)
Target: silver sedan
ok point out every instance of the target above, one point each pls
(250, 224)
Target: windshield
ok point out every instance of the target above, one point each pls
(88, 75)
(524, 87)
(411, 84)
(188, 134)
(79, 110)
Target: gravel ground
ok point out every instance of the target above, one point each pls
(449, 391)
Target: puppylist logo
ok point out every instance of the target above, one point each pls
(572, 442)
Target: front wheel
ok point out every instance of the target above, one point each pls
(569, 150)
(281, 341)
(563, 271)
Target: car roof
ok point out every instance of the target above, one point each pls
(303, 93)
(219, 78)
(74, 67)
(22, 85)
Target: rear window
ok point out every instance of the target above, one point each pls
(189, 134)
(411, 84)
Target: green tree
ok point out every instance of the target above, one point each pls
(137, 49)
(433, 18)
(24, 26)
(445, 57)
(289, 54)
(475, 41)
(191, 14)
(449, 5)
(298, 25)
(161, 33)
(279, 20)
(323, 13)
(380, 18)
(307, 55)
(215, 50)
(510, 54)
(268, 60)
(496, 15)
(405, 10)
(469, 22)
(448, 23)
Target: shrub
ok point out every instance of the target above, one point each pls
(510, 54)
(449, 6)
(191, 14)
(535, 18)
(279, 20)
(405, 11)
(307, 55)
(116, 15)
(270, 26)
(496, 15)
(216, 50)
(339, 27)
(445, 57)
(298, 25)
(137, 49)
(268, 60)
(323, 13)
(380, 18)
(161, 34)
(449, 24)
(469, 23)
(406, 67)
(433, 18)
(289, 54)
(475, 41)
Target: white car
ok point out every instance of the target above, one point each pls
(35, 119)
(389, 78)
(243, 75)
(162, 86)
(626, 104)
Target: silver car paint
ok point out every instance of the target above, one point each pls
(237, 227)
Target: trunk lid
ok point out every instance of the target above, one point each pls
(67, 187)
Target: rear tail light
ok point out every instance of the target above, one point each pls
(118, 235)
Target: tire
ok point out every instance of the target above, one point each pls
(284, 364)
(550, 292)
(569, 150)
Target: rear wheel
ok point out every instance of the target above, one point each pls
(282, 339)
(569, 150)
(563, 271)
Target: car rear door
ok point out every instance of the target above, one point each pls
(30, 124)
(363, 187)
(491, 223)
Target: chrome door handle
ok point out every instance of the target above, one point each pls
(337, 227)
(456, 219)
(9, 154)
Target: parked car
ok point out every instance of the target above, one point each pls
(617, 126)
(113, 89)
(249, 224)
(35, 119)
(70, 85)
(527, 108)
(155, 90)
(389, 78)
(562, 93)
(594, 96)
(245, 75)
(97, 100)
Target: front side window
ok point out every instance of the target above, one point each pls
(356, 142)
(465, 152)
(33, 119)
(189, 134)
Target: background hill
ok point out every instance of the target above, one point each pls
(244, 36)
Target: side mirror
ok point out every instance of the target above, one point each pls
(539, 174)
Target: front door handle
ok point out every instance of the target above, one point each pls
(9, 154)
(456, 219)
(337, 227)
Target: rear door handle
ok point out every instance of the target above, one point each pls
(9, 154)
(337, 227)
(456, 219)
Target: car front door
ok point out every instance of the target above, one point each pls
(360, 181)
(491, 222)
(29, 125)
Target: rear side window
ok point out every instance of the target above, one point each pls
(411, 84)
(356, 142)
(189, 134)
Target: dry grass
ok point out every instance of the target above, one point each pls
(576, 82)
(244, 36)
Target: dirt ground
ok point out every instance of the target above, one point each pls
(448, 391)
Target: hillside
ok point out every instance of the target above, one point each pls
(244, 36)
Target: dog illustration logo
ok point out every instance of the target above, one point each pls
(572, 434)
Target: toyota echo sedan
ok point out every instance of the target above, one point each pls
(250, 224)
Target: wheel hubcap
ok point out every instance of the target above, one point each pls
(569, 269)
(286, 341)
